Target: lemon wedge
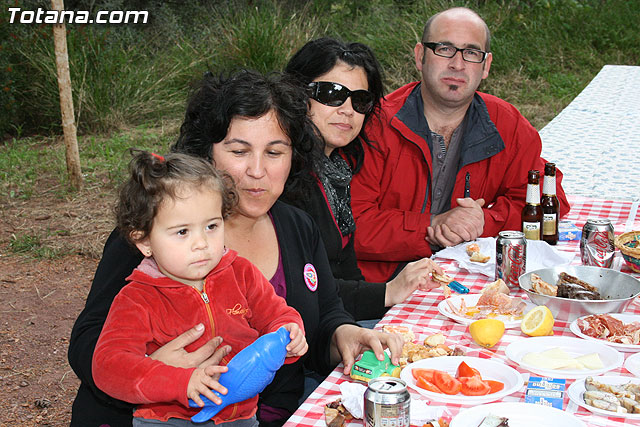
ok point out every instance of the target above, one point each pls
(538, 322)
(487, 332)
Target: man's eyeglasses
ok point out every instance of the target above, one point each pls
(448, 51)
(335, 94)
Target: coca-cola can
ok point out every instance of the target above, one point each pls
(511, 257)
(596, 244)
(386, 403)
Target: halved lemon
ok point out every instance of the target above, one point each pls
(538, 322)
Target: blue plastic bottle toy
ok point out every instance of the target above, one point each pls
(250, 371)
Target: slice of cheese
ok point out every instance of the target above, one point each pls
(557, 358)
(591, 361)
(556, 353)
(545, 362)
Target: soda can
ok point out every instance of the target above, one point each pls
(596, 243)
(386, 403)
(511, 257)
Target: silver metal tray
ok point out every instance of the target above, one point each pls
(618, 289)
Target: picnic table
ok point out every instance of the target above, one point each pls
(595, 140)
(420, 313)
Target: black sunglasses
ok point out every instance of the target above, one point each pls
(334, 95)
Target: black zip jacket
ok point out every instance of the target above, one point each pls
(364, 300)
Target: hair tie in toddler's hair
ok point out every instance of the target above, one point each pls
(158, 156)
(353, 51)
(346, 53)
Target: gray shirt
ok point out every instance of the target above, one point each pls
(445, 163)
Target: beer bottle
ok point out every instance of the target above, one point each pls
(550, 205)
(532, 211)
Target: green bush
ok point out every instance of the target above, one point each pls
(545, 52)
(116, 80)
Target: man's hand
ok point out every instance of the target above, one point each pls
(174, 354)
(463, 223)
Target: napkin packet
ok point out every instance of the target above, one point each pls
(419, 411)
(545, 391)
(567, 230)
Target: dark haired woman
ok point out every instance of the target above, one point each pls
(253, 127)
(345, 86)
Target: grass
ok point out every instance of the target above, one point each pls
(32, 244)
(28, 162)
(106, 159)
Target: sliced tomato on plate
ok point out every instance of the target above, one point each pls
(474, 386)
(465, 370)
(495, 386)
(427, 374)
(446, 383)
(427, 385)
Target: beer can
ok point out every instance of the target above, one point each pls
(596, 244)
(511, 257)
(386, 403)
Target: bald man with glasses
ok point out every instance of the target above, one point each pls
(450, 163)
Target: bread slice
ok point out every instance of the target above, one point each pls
(442, 278)
(478, 257)
(472, 248)
(541, 287)
(336, 415)
(499, 286)
(407, 334)
(333, 417)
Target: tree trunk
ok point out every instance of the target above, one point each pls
(66, 100)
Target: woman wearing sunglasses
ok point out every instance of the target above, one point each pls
(344, 83)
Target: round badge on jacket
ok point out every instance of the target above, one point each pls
(311, 277)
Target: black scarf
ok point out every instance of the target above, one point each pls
(336, 180)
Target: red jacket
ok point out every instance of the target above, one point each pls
(391, 197)
(240, 306)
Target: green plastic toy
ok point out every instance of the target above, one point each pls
(369, 367)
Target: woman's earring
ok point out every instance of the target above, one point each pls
(149, 252)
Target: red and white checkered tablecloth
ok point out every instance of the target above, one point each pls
(420, 312)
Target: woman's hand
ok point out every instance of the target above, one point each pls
(415, 275)
(349, 341)
(174, 354)
(298, 345)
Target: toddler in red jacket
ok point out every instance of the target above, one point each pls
(172, 209)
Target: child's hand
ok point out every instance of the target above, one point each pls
(298, 345)
(201, 382)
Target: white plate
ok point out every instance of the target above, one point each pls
(611, 358)
(576, 389)
(632, 364)
(489, 370)
(471, 300)
(626, 318)
(519, 415)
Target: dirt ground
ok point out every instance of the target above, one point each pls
(41, 299)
